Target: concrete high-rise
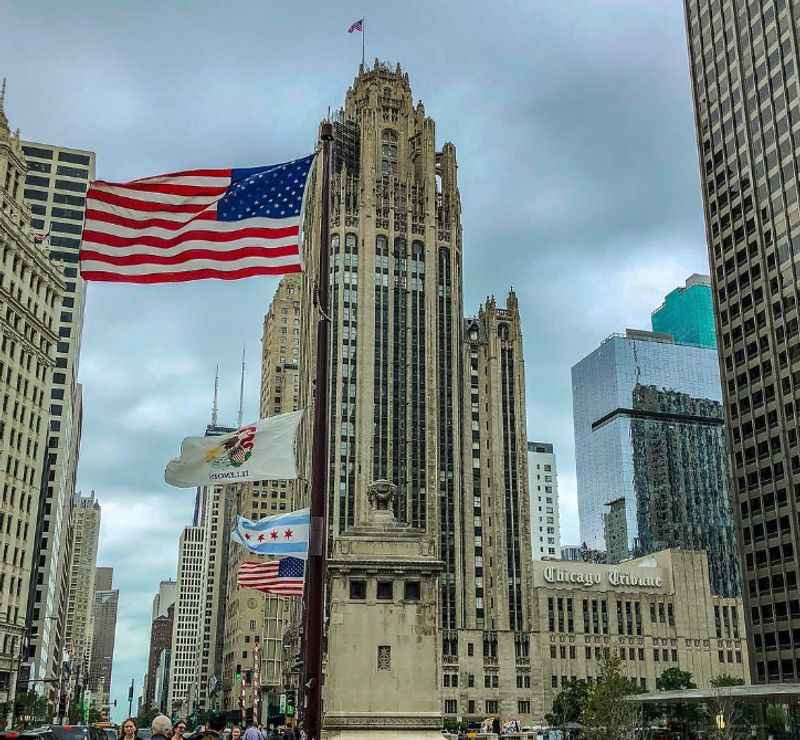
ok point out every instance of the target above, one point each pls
(649, 429)
(543, 492)
(265, 618)
(32, 285)
(83, 571)
(106, 603)
(187, 626)
(55, 189)
(744, 65)
(688, 313)
(402, 405)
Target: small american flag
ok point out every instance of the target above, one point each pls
(196, 224)
(357, 26)
(282, 577)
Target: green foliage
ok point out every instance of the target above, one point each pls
(725, 679)
(674, 679)
(607, 716)
(30, 710)
(569, 704)
(146, 717)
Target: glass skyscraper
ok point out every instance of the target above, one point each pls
(649, 429)
(688, 313)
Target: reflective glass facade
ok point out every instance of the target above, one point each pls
(649, 429)
(688, 314)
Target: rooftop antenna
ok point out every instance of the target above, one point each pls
(214, 406)
(241, 394)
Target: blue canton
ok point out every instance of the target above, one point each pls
(290, 568)
(273, 191)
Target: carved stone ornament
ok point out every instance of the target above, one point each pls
(381, 497)
(382, 721)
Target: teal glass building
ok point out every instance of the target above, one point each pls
(688, 314)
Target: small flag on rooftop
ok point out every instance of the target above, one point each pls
(210, 223)
(356, 26)
(260, 451)
(284, 577)
(281, 534)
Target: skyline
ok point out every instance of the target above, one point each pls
(160, 390)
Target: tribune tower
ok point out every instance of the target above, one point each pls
(400, 406)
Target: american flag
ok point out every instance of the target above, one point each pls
(283, 577)
(196, 224)
(357, 26)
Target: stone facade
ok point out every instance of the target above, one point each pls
(657, 612)
(383, 629)
(31, 286)
(160, 640)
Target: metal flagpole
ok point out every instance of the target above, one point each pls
(363, 38)
(314, 623)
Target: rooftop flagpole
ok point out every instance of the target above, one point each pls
(315, 589)
(363, 38)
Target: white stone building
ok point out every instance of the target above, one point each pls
(543, 492)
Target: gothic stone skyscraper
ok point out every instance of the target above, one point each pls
(744, 64)
(399, 404)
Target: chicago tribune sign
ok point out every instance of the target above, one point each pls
(614, 578)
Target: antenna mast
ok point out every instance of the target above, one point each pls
(241, 394)
(214, 406)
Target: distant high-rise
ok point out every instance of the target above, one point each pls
(649, 429)
(31, 287)
(160, 641)
(55, 189)
(106, 603)
(543, 492)
(744, 62)
(688, 313)
(187, 625)
(82, 570)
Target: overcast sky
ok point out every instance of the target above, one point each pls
(578, 175)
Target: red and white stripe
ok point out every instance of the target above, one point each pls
(164, 229)
(264, 577)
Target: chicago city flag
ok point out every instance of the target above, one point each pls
(260, 451)
(282, 534)
(196, 224)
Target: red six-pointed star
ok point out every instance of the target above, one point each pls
(288, 534)
(273, 535)
(261, 538)
(247, 535)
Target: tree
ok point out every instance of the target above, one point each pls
(674, 679)
(30, 710)
(146, 717)
(728, 719)
(608, 716)
(568, 705)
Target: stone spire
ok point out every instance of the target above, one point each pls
(4, 129)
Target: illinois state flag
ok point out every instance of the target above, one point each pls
(281, 534)
(260, 451)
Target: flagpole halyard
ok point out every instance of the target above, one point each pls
(316, 566)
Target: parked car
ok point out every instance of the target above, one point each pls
(77, 732)
(34, 733)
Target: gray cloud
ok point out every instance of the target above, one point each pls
(578, 176)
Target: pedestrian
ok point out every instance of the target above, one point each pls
(179, 730)
(252, 733)
(161, 727)
(236, 733)
(214, 727)
(128, 729)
